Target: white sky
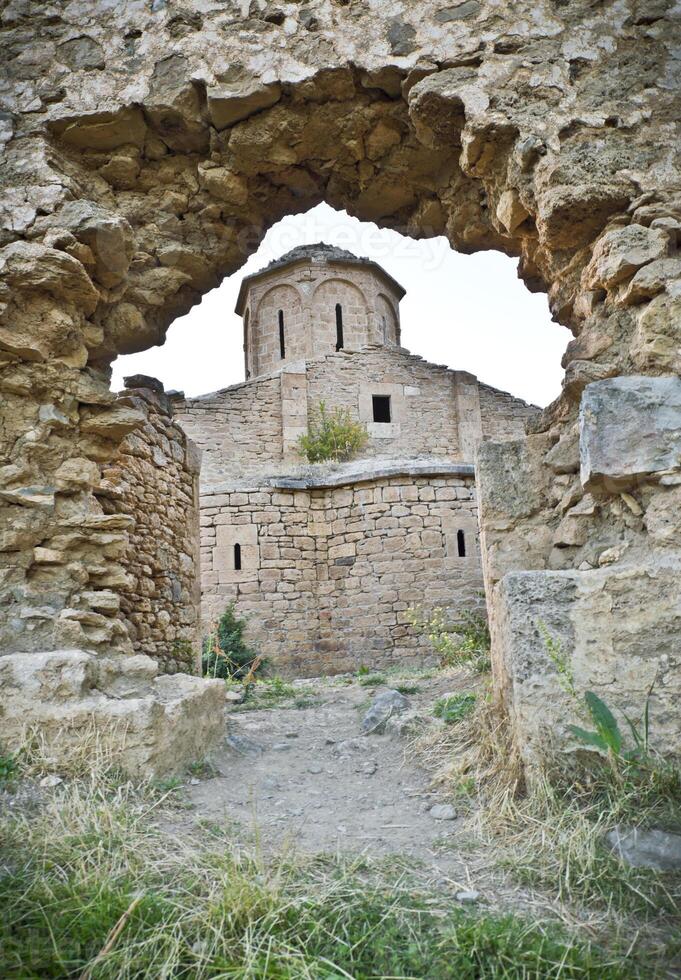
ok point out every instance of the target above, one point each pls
(470, 312)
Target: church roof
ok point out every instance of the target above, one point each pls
(319, 252)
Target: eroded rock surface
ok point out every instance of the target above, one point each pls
(147, 148)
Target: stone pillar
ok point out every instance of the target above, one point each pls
(468, 414)
(293, 410)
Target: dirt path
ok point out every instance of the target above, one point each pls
(307, 779)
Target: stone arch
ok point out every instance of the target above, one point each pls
(129, 200)
(388, 321)
(355, 310)
(279, 317)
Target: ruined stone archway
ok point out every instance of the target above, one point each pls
(146, 153)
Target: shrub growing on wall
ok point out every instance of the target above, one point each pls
(332, 436)
(225, 654)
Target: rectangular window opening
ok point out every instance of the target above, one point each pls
(237, 557)
(282, 341)
(381, 404)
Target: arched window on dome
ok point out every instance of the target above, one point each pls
(282, 338)
(339, 327)
(247, 320)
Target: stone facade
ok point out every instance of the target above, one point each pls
(147, 148)
(436, 413)
(329, 571)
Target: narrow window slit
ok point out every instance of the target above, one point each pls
(339, 327)
(237, 557)
(461, 543)
(282, 340)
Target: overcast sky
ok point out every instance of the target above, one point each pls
(470, 312)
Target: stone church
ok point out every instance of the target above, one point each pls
(327, 561)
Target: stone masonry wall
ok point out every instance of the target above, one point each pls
(503, 417)
(423, 404)
(153, 479)
(238, 429)
(253, 427)
(329, 574)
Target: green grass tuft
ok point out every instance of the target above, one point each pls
(372, 680)
(455, 708)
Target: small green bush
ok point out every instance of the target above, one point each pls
(464, 641)
(332, 436)
(455, 708)
(225, 654)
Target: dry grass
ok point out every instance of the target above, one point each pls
(91, 887)
(549, 836)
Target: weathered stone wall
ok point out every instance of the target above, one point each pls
(253, 427)
(238, 429)
(424, 418)
(502, 416)
(154, 479)
(147, 148)
(329, 574)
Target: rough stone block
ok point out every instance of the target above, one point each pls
(618, 628)
(630, 429)
(152, 725)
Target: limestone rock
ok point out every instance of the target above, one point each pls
(630, 429)
(224, 185)
(228, 104)
(28, 266)
(384, 705)
(442, 811)
(143, 381)
(77, 474)
(564, 456)
(103, 130)
(617, 622)
(639, 848)
(511, 212)
(468, 897)
(653, 279)
(153, 726)
(656, 343)
(114, 423)
(173, 106)
(619, 253)
(81, 53)
(107, 235)
(243, 745)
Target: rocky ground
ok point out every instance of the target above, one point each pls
(303, 776)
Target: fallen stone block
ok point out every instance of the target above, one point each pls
(148, 725)
(641, 848)
(384, 706)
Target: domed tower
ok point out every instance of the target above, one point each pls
(313, 301)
